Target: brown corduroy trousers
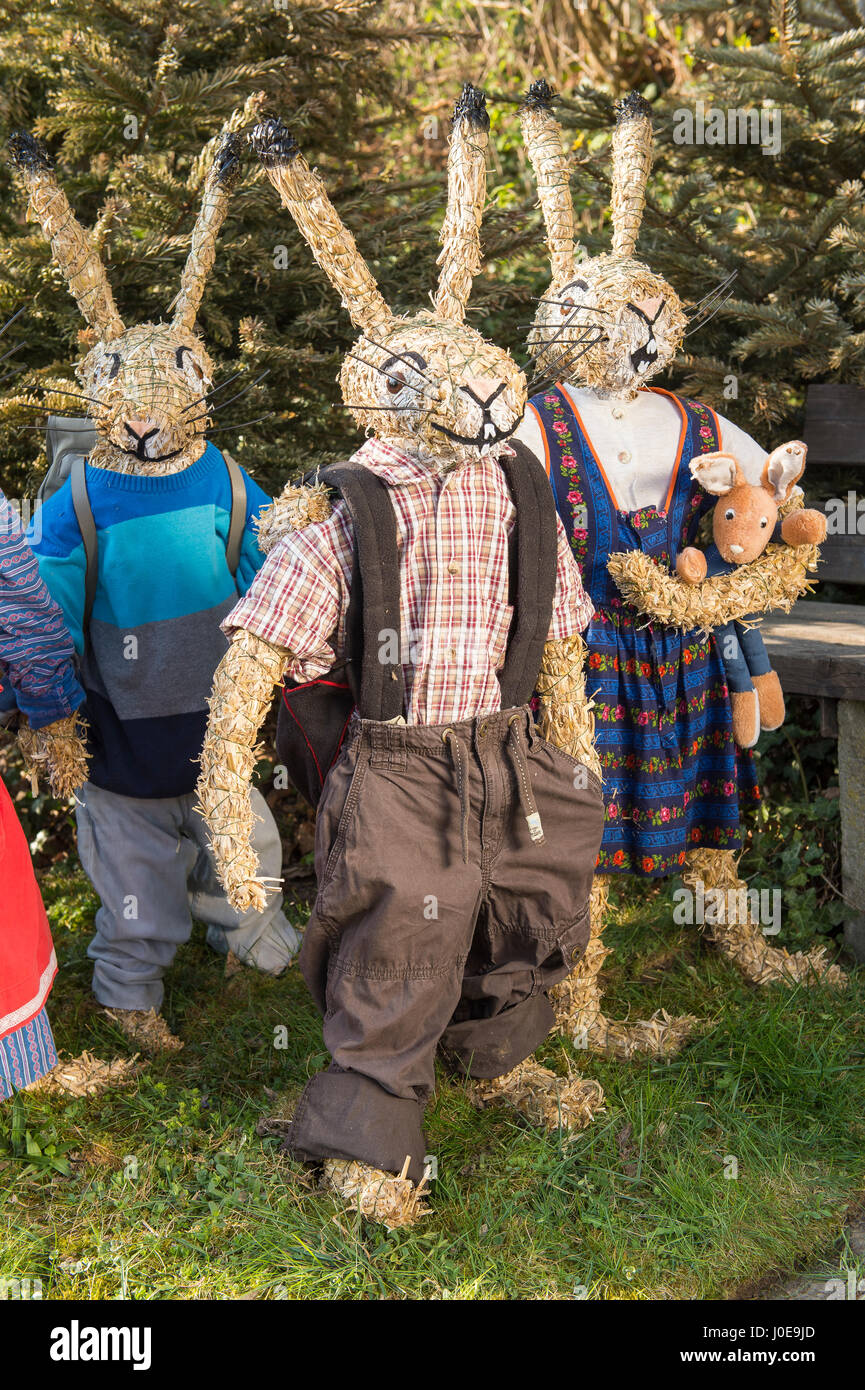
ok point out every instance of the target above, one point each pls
(454, 867)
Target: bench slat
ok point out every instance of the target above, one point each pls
(842, 560)
(819, 649)
(835, 424)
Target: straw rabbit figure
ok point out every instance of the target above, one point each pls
(618, 454)
(431, 384)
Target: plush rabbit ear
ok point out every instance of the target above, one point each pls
(330, 241)
(460, 257)
(632, 161)
(70, 243)
(543, 140)
(716, 473)
(784, 466)
(221, 178)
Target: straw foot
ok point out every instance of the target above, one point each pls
(146, 1029)
(392, 1200)
(541, 1097)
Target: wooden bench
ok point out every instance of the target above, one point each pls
(819, 648)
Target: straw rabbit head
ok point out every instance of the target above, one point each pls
(426, 380)
(146, 386)
(608, 321)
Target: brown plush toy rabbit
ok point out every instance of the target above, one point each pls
(744, 521)
(454, 844)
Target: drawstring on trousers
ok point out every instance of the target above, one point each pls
(519, 757)
(458, 758)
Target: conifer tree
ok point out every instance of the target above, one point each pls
(125, 95)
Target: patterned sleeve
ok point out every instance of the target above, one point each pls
(572, 607)
(299, 597)
(36, 651)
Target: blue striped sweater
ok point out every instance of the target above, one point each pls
(154, 639)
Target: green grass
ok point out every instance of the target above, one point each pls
(165, 1191)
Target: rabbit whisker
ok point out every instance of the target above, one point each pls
(12, 350)
(239, 425)
(61, 391)
(17, 314)
(705, 318)
(563, 304)
(241, 392)
(213, 390)
(721, 285)
(401, 355)
(382, 372)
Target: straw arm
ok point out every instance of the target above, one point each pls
(56, 751)
(566, 717)
(243, 687)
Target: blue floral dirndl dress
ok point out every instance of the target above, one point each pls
(673, 775)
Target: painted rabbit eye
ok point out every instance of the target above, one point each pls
(106, 368)
(729, 514)
(394, 371)
(194, 364)
(764, 522)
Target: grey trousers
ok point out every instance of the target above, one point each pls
(150, 863)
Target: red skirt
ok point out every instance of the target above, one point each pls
(27, 961)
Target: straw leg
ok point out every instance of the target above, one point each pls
(567, 720)
(740, 939)
(577, 1002)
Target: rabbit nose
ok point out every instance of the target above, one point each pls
(140, 428)
(650, 307)
(482, 387)
(736, 549)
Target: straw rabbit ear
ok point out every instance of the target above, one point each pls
(70, 243)
(330, 241)
(632, 161)
(221, 178)
(543, 140)
(460, 257)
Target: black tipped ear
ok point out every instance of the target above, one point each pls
(631, 106)
(472, 107)
(273, 142)
(226, 163)
(539, 97)
(26, 152)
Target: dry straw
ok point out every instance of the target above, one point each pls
(585, 327)
(773, 582)
(379, 1196)
(242, 694)
(58, 752)
(577, 1002)
(743, 941)
(541, 1097)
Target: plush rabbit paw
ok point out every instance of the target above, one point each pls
(770, 697)
(804, 527)
(691, 565)
(745, 709)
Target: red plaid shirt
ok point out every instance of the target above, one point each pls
(452, 533)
